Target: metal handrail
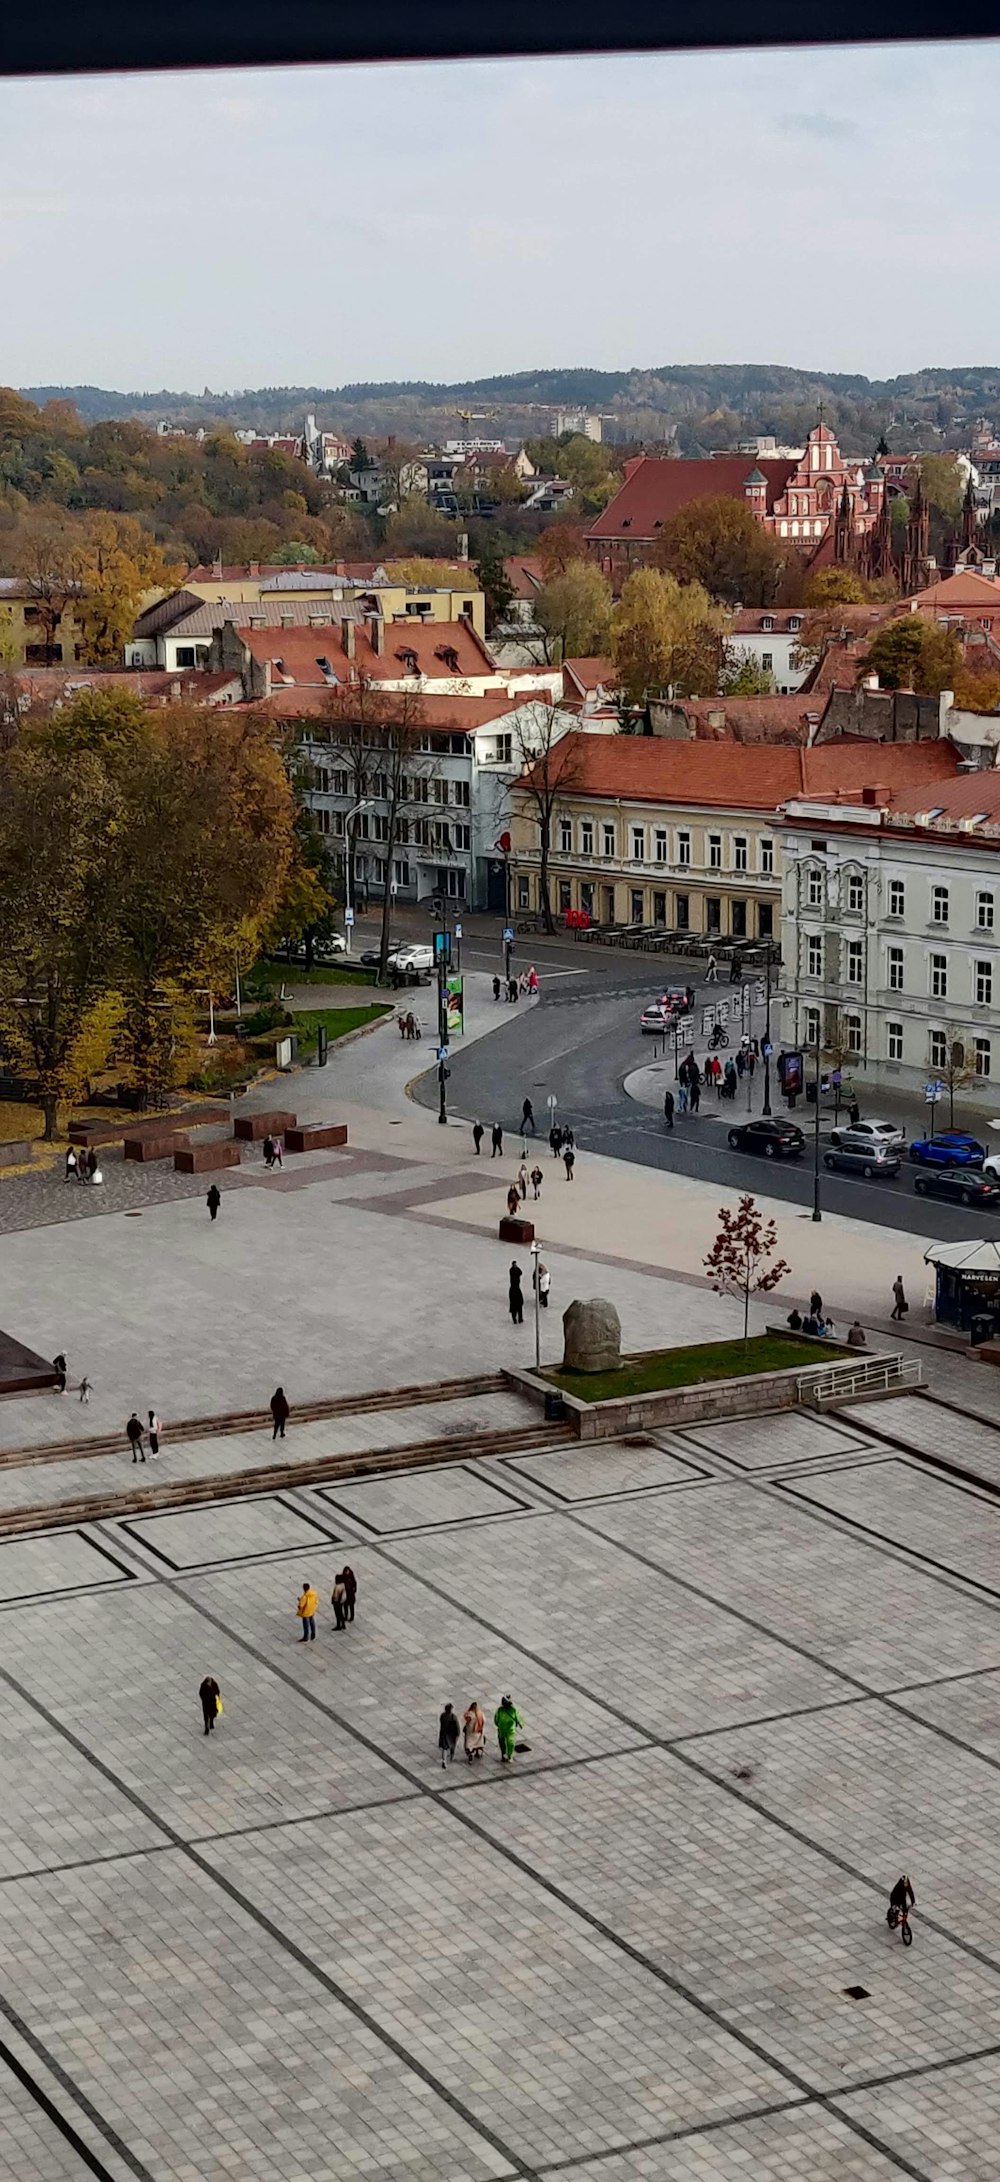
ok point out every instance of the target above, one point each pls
(869, 1375)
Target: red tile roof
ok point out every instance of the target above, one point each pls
(966, 588)
(751, 719)
(653, 769)
(425, 642)
(582, 677)
(768, 621)
(156, 685)
(446, 714)
(654, 490)
(525, 575)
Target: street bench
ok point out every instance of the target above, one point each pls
(144, 1149)
(206, 1158)
(253, 1128)
(318, 1137)
(515, 1230)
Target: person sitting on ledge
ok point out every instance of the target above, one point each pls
(856, 1335)
(794, 1320)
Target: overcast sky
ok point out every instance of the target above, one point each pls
(834, 209)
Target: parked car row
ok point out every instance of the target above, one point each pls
(953, 1165)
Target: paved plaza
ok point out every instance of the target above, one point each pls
(757, 1664)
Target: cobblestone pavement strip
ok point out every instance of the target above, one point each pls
(31, 2145)
(950, 2120)
(950, 1527)
(805, 2145)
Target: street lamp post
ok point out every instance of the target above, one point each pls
(364, 805)
(442, 953)
(207, 990)
(816, 1213)
(766, 1108)
(536, 1252)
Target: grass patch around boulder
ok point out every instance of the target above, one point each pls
(660, 1369)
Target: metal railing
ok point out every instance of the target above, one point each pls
(845, 1382)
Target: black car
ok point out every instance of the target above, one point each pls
(960, 1186)
(776, 1139)
(372, 956)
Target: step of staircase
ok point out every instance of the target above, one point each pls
(136, 1499)
(257, 1420)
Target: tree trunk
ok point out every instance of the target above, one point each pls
(543, 879)
(49, 1111)
(390, 850)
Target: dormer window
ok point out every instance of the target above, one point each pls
(449, 655)
(768, 621)
(794, 622)
(408, 658)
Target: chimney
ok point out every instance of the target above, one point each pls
(376, 635)
(870, 681)
(463, 545)
(217, 565)
(347, 637)
(255, 568)
(876, 794)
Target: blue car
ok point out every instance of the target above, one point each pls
(949, 1149)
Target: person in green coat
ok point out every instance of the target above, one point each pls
(506, 1720)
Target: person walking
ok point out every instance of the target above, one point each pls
(513, 1202)
(512, 989)
(268, 1151)
(899, 1302)
(474, 1731)
(682, 1087)
(533, 982)
(537, 1178)
(155, 1428)
(448, 1734)
(306, 1611)
(668, 1109)
(70, 1175)
(338, 1600)
(350, 1591)
(213, 1201)
(854, 1113)
(522, 1180)
(694, 1087)
(60, 1366)
(527, 1117)
(211, 1702)
(279, 1157)
(542, 1280)
(736, 969)
(741, 1062)
(497, 1141)
(134, 1430)
(280, 1413)
(712, 972)
(555, 1139)
(507, 1720)
(478, 1133)
(515, 1298)
(496, 988)
(93, 1164)
(815, 1304)
(569, 1161)
(730, 1080)
(85, 1388)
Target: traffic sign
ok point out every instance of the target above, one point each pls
(767, 1049)
(508, 931)
(458, 931)
(932, 1092)
(348, 916)
(552, 1101)
(444, 1053)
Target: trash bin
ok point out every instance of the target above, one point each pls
(555, 1409)
(982, 1328)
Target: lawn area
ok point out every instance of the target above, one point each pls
(337, 1021)
(661, 1368)
(329, 973)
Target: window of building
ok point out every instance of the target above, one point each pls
(713, 913)
(505, 750)
(738, 919)
(794, 623)
(715, 852)
(895, 959)
(460, 794)
(523, 892)
(660, 910)
(855, 893)
(814, 956)
(661, 844)
(982, 1056)
(338, 823)
(587, 898)
(361, 826)
(587, 837)
(894, 1041)
(939, 977)
(380, 827)
(852, 1032)
(638, 844)
(984, 912)
(565, 836)
(855, 961)
(984, 984)
(897, 898)
(442, 790)
(767, 662)
(401, 873)
(609, 841)
(565, 898)
(322, 820)
(767, 857)
(814, 889)
(380, 788)
(939, 1049)
(682, 912)
(765, 920)
(442, 834)
(767, 620)
(684, 848)
(420, 789)
(740, 853)
(43, 655)
(637, 910)
(812, 1026)
(461, 834)
(185, 655)
(939, 905)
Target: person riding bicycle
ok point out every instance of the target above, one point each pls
(902, 1897)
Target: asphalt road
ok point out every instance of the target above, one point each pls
(579, 1044)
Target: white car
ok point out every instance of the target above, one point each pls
(326, 949)
(866, 1136)
(991, 1166)
(413, 956)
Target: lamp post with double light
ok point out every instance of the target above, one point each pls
(364, 805)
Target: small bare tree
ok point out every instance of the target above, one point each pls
(550, 767)
(738, 1263)
(379, 738)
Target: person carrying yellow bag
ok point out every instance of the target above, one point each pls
(211, 1702)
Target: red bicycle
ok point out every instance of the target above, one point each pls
(900, 1917)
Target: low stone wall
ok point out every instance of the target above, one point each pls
(144, 1149)
(317, 1137)
(206, 1158)
(253, 1128)
(19, 1153)
(670, 1408)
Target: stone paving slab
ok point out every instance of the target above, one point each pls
(126, 1685)
(931, 1430)
(703, 1886)
(231, 1530)
(968, 1708)
(805, 2145)
(949, 2122)
(217, 2051)
(63, 1561)
(863, 1611)
(32, 2149)
(408, 1653)
(755, 1443)
(501, 1984)
(402, 1503)
(952, 1528)
(588, 1473)
(56, 1808)
(886, 1795)
(624, 1634)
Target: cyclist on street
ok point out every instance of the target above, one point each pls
(902, 1897)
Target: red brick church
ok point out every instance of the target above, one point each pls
(827, 507)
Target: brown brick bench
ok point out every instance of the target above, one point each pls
(146, 1148)
(111, 1132)
(318, 1137)
(516, 1230)
(253, 1128)
(206, 1158)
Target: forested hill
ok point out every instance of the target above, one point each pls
(699, 406)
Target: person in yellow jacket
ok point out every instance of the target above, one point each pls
(306, 1611)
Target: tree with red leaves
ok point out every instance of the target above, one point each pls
(738, 1260)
